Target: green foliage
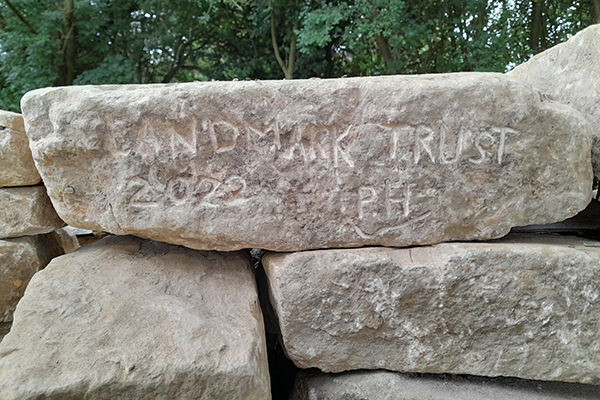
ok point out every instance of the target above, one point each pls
(63, 42)
(113, 69)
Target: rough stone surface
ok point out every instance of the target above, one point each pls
(316, 163)
(127, 318)
(523, 306)
(570, 73)
(16, 164)
(19, 259)
(67, 239)
(26, 211)
(385, 385)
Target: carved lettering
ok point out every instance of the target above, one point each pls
(223, 136)
(444, 158)
(485, 141)
(338, 151)
(503, 133)
(366, 195)
(262, 136)
(319, 136)
(295, 143)
(312, 143)
(141, 193)
(423, 139)
(391, 199)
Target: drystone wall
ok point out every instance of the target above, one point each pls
(186, 178)
(27, 217)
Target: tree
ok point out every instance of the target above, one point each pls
(63, 42)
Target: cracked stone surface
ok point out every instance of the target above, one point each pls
(19, 259)
(524, 306)
(128, 318)
(16, 164)
(26, 211)
(570, 73)
(393, 161)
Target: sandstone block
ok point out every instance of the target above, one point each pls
(127, 318)
(26, 211)
(335, 163)
(19, 259)
(385, 385)
(523, 306)
(16, 163)
(570, 73)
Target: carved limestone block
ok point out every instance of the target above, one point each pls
(292, 165)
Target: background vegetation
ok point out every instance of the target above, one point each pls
(73, 42)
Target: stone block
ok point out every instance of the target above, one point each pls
(570, 73)
(524, 306)
(393, 161)
(19, 259)
(386, 385)
(128, 318)
(26, 211)
(16, 163)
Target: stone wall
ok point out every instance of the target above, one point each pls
(433, 170)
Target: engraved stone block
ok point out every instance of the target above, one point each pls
(128, 318)
(16, 163)
(19, 259)
(26, 211)
(570, 73)
(523, 306)
(386, 385)
(290, 165)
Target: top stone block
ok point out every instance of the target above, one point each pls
(293, 165)
(570, 72)
(16, 164)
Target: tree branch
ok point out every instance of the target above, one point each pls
(292, 56)
(21, 18)
(274, 41)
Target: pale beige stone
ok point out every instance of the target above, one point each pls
(290, 165)
(386, 385)
(26, 211)
(67, 239)
(570, 73)
(127, 318)
(19, 259)
(524, 306)
(16, 163)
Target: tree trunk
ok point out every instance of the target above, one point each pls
(537, 26)
(69, 45)
(597, 9)
(384, 49)
(288, 70)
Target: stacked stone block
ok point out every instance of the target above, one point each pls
(435, 166)
(27, 217)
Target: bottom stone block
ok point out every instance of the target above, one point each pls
(385, 385)
(524, 306)
(19, 259)
(127, 318)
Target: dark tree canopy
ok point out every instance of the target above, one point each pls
(72, 42)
